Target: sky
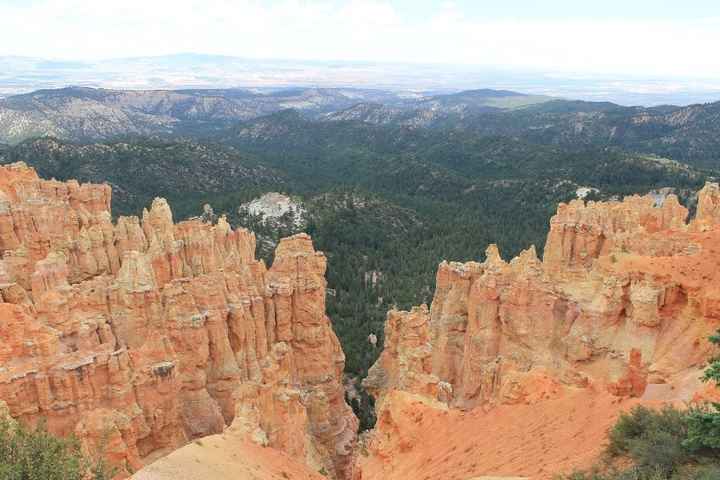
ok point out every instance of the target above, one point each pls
(678, 38)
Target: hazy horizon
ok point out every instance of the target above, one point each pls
(192, 70)
(614, 37)
(642, 52)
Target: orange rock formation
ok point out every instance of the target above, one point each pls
(147, 333)
(620, 306)
(144, 334)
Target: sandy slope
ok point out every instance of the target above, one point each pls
(420, 441)
(226, 456)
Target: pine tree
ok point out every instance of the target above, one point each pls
(704, 423)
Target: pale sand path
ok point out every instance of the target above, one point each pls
(226, 457)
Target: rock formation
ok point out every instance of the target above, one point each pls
(143, 334)
(621, 306)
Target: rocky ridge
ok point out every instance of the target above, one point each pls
(144, 334)
(83, 113)
(620, 307)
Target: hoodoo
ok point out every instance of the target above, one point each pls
(144, 334)
(523, 365)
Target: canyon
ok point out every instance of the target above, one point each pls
(521, 367)
(140, 335)
(171, 348)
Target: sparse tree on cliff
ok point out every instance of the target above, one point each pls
(704, 424)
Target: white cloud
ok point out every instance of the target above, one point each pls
(356, 30)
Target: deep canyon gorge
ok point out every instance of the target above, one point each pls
(169, 345)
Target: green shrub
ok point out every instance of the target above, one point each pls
(652, 439)
(704, 429)
(35, 454)
(583, 476)
(704, 472)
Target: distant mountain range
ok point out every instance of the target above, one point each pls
(80, 114)
(88, 114)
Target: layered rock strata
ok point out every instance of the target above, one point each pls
(529, 362)
(143, 334)
(623, 301)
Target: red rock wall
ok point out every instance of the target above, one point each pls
(623, 301)
(147, 333)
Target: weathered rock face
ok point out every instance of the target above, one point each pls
(708, 209)
(522, 366)
(146, 333)
(623, 301)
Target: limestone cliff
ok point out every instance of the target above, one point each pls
(147, 333)
(621, 305)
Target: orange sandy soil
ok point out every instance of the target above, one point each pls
(422, 442)
(226, 457)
